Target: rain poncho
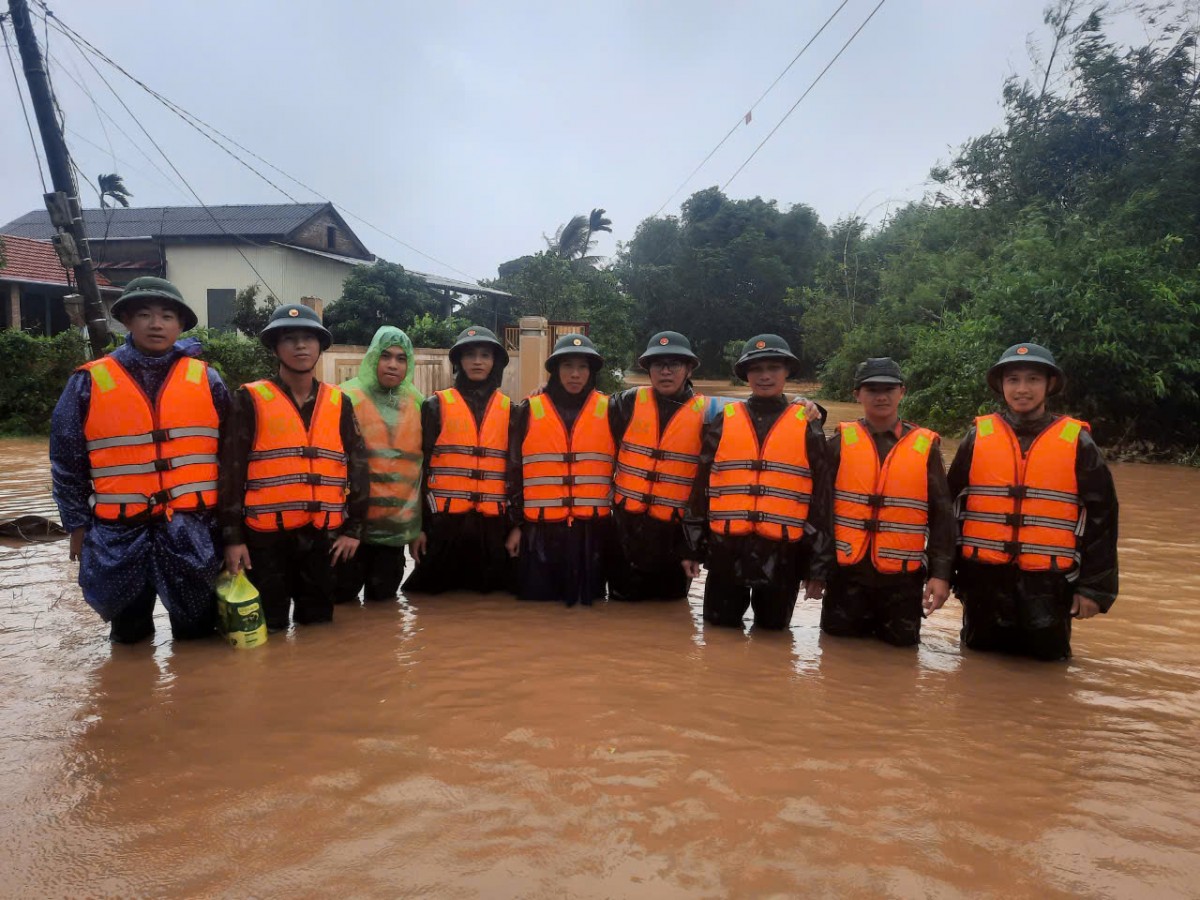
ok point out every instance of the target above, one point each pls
(124, 564)
(390, 421)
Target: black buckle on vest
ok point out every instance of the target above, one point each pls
(656, 453)
(875, 501)
(476, 473)
(651, 477)
(476, 497)
(871, 525)
(478, 451)
(159, 498)
(1012, 548)
(1018, 491)
(754, 517)
(1012, 520)
(756, 490)
(312, 506)
(158, 435)
(312, 478)
(756, 465)
(570, 457)
(308, 452)
(162, 465)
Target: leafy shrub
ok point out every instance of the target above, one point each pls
(33, 372)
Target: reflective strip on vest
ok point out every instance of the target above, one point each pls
(881, 509)
(295, 476)
(763, 490)
(469, 457)
(149, 458)
(1022, 508)
(567, 477)
(656, 467)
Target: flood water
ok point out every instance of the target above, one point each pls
(465, 746)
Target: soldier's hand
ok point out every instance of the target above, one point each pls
(513, 542)
(76, 543)
(814, 589)
(237, 557)
(417, 547)
(691, 568)
(343, 548)
(1084, 607)
(937, 592)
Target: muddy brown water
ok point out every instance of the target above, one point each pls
(465, 746)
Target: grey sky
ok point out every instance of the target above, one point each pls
(470, 129)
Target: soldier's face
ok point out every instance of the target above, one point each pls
(298, 350)
(880, 402)
(767, 377)
(393, 366)
(668, 374)
(155, 327)
(573, 373)
(1025, 388)
(477, 361)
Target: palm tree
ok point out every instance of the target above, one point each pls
(113, 186)
(573, 240)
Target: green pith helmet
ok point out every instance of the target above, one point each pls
(477, 334)
(147, 287)
(877, 370)
(1026, 355)
(294, 315)
(667, 343)
(574, 345)
(765, 346)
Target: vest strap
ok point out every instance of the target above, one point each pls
(310, 478)
(760, 465)
(477, 474)
(304, 452)
(467, 450)
(759, 490)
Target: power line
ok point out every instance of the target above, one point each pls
(17, 84)
(815, 82)
(746, 118)
(196, 122)
(179, 174)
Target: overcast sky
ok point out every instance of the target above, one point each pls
(470, 129)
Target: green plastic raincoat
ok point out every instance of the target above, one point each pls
(390, 421)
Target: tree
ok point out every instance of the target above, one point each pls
(573, 241)
(113, 186)
(380, 294)
(249, 315)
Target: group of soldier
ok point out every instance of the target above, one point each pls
(163, 478)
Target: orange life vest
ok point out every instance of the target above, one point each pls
(393, 459)
(466, 468)
(884, 508)
(762, 490)
(151, 457)
(295, 477)
(656, 473)
(567, 477)
(1018, 507)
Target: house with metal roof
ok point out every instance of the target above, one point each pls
(33, 284)
(295, 250)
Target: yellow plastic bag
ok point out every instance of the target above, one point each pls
(239, 612)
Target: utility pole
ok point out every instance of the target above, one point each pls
(66, 214)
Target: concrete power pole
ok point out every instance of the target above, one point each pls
(66, 214)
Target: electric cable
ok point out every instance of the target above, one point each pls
(744, 119)
(17, 84)
(815, 82)
(195, 122)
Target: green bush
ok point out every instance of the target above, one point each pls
(33, 372)
(426, 331)
(238, 359)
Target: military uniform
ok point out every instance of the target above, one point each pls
(1019, 569)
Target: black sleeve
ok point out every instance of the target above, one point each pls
(518, 422)
(943, 532)
(1098, 575)
(960, 469)
(695, 518)
(358, 473)
(233, 454)
(821, 560)
(431, 427)
(620, 412)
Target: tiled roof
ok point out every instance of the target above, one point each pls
(36, 262)
(276, 220)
